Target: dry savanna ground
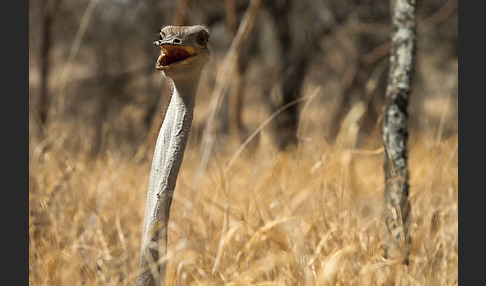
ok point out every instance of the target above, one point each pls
(249, 214)
(311, 216)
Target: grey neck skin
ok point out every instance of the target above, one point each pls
(167, 159)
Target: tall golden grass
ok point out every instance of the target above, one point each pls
(310, 216)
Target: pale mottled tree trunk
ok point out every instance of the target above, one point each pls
(395, 129)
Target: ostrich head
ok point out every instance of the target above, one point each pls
(184, 51)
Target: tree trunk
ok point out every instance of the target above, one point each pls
(294, 64)
(48, 13)
(231, 114)
(395, 130)
(181, 17)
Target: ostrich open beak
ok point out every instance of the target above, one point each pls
(171, 54)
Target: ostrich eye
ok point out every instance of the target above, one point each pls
(202, 38)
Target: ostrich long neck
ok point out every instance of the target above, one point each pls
(167, 160)
(171, 142)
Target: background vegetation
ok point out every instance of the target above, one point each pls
(280, 209)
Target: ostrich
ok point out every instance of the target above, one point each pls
(184, 52)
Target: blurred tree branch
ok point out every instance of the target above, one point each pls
(423, 27)
(60, 97)
(109, 79)
(222, 79)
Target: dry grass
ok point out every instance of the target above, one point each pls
(308, 217)
(311, 216)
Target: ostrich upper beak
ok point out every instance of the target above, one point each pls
(171, 53)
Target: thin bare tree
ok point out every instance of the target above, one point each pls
(395, 129)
